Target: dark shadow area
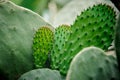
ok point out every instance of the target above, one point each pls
(116, 3)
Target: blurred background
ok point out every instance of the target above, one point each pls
(48, 9)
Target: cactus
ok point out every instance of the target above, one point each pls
(117, 41)
(93, 64)
(42, 45)
(17, 28)
(61, 35)
(93, 27)
(41, 74)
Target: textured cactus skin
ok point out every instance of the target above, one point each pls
(104, 25)
(93, 27)
(117, 41)
(42, 45)
(92, 64)
(41, 74)
(61, 35)
(17, 28)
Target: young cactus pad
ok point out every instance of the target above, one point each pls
(95, 26)
(17, 28)
(61, 35)
(92, 64)
(41, 74)
(42, 45)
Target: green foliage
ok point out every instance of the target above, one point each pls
(42, 45)
(92, 64)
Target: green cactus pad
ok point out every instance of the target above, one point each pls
(92, 64)
(94, 27)
(41, 74)
(61, 35)
(117, 41)
(17, 28)
(42, 45)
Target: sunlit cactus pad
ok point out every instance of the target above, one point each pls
(42, 45)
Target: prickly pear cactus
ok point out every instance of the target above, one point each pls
(95, 26)
(42, 45)
(17, 28)
(94, 30)
(61, 35)
(92, 64)
(41, 74)
(117, 41)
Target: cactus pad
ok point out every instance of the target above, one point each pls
(61, 35)
(17, 28)
(41, 74)
(94, 27)
(42, 45)
(92, 64)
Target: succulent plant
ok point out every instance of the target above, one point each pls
(41, 74)
(93, 64)
(61, 35)
(27, 40)
(42, 45)
(17, 28)
(94, 27)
